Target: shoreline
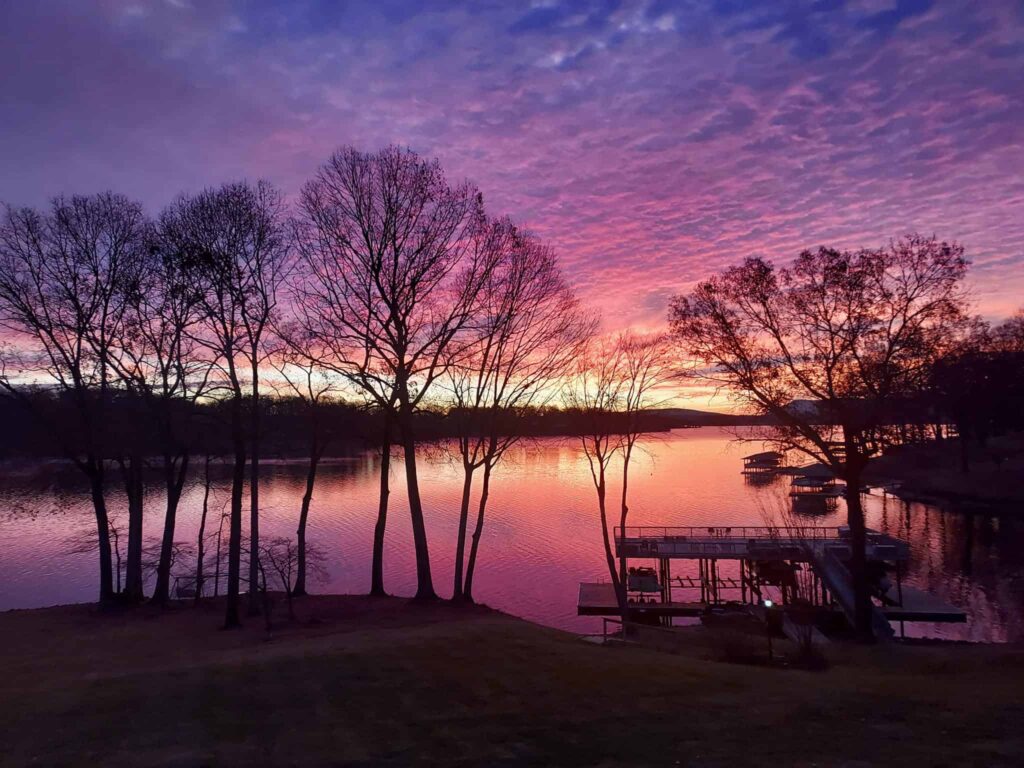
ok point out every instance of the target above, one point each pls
(932, 473)
(439, 610)
(948, 501)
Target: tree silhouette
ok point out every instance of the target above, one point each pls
(394, 270)
(853, 333)
(613, 384)
(232, 243)
(527, 329)
(162, 365)
(63, 275)
(306, 381)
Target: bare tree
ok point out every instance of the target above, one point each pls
(279, 562)
(394, 270)
(181, 554)
(526, 331)
(160, 362)
(232, 242)
(644, 367)
(61, 275)
(615, 383)
(853, 333)
(322, 349)
(595, 392)
(86, 541)
(304, 379)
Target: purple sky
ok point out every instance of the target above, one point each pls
(652, 143)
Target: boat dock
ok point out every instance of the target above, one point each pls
(766, 462)
(755, 565)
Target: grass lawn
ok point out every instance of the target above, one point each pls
(388, 682)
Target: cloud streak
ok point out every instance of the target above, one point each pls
(651, 143)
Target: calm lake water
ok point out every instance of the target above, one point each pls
(542, 535)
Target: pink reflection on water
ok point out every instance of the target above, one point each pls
(542, 535)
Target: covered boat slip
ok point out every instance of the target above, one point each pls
(767, 462)
(767, 561)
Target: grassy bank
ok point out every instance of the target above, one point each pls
(363, 681)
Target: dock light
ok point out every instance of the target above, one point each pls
(768, 603)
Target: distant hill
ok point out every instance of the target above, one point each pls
(689, 417)
(805, 409)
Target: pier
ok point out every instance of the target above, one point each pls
(748, 566)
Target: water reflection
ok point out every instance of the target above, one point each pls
(541, 538)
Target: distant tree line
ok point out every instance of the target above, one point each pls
(978, 385)
(347, 427)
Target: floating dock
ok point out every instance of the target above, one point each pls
(598, 599)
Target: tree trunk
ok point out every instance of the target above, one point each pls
(377, 568)
(175, 472)
(254, 496)
(264, 596)
(624, 509)
(201, 540)
(307, 498)
(424, 582)
(618, 584)
(117, 556)
(235, 528)
(132, 473)
(858, 558)
(460, 542)
(217, 557)
(99, 503)
(485, 488)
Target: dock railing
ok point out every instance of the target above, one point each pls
(744, 532)
(631, 631)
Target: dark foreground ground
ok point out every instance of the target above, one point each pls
(387, 682)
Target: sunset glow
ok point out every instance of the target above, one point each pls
(651, 143)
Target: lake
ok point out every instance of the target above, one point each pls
(542, 535)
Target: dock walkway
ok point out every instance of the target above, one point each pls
(746, 542)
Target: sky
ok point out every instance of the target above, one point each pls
(651, 143)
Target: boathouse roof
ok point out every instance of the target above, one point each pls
(764, 456)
